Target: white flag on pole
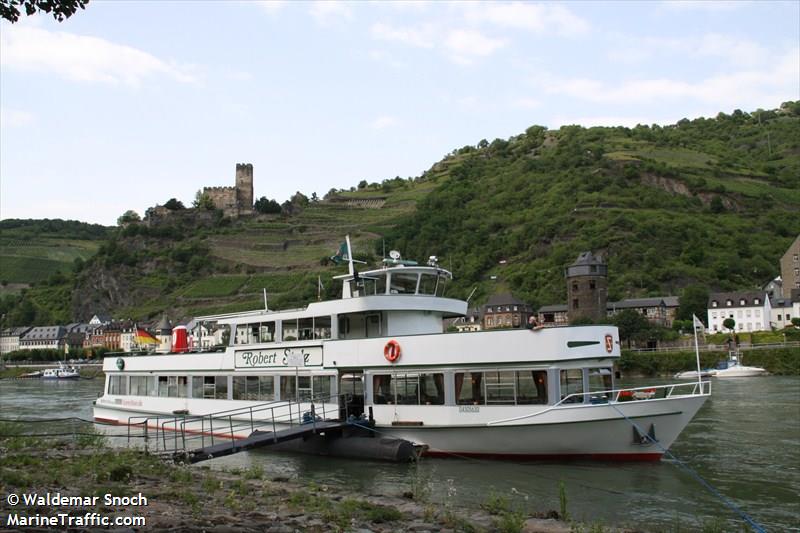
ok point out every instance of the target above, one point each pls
(698, 324)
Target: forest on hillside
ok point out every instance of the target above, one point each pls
(704, 204)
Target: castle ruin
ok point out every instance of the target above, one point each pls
(237, 200)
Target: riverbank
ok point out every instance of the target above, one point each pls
(777, 361)
(172, 496)
(14, 372)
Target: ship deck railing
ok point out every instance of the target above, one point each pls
(183, 432)
(625, 396)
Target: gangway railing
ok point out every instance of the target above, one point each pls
(626, 395)
(183, 432)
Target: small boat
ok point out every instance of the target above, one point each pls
(733, 368)
(692, 374)
(62, 372)
(28, 375)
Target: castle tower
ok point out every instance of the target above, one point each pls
(244, 187)
(587, 288)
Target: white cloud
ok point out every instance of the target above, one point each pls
(704, 5)
(466, 45)
(14, 118)
(383, 122)
(538, 18)
(82, 58)
(271, 6)
(526, 103)
(421, 37)
(734, 50)
(777, 81)
(327, 12)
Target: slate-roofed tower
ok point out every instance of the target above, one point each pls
(587, 288)
(244, 187)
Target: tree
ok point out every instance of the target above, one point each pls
(362, 184)
(127, 217)
(632, 325)
(796, 322)
(694, 301)
(203, 201)
(265, 206)
(60, 9)
(174, 205)
(729, 323)
(314, 197)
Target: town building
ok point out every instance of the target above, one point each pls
(44, 337)
(751, 310)
(587, 287)
(790, 268)
(9, 339)
(785, 309)
(470, 322)
(774, 287)
(660, 310)
(553, 315)
(505, 311)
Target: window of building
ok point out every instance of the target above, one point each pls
(742, 301)
(575, 303)
(713, 303)
(713, 314)
(748, 313)
(757, 301)
(572, 383)
(592, 284)
(729, 302)
(788, 316)
(758, 312)
(593, 268)
(574, 286)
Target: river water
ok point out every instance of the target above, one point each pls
(745, 441)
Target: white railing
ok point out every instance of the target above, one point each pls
(626, 395)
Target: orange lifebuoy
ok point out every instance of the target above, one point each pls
(392, 351)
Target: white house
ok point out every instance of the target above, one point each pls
(9, 339)
(750, 310)
(785, 309)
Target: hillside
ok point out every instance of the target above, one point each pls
(709, 202)
(32, 251)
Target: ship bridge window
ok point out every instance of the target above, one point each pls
(599, 383)
(427, 283)
(572, 383)
(403, 283)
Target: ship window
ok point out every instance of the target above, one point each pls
(427, 283)
(406, 387)
(253, 388)
(382, 389)
(138, 386)
(531, 386)
(403, 283)
(322, 327)
(380, 285)
(469, 388)
(203, 387)
(266, 332)
(440, 286)
(305, 329)
(499, 387)
(118, 385)
(599, 383)
(221, 387)
(288, 388)
(162, 386)
(290, 330)
(572, 383)
(304, 388)
(322, 387)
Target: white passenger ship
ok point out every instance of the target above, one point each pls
(381, 349)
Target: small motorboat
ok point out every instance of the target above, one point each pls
(62, 372)
(732, 368)
(692, 374)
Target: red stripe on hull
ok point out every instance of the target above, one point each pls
(548, 457)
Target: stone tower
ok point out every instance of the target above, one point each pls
(244, 187)
(587, 288)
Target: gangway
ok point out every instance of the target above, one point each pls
(194, 438)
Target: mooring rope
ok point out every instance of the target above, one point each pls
(713, 490)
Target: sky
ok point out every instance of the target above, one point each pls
(130, 103)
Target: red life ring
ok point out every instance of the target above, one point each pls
(392, 351)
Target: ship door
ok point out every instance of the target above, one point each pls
(351, 394)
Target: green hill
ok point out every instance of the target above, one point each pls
(708, 202)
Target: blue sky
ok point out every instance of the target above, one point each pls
(130, 103)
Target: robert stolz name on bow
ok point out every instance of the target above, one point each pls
(271, 358)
